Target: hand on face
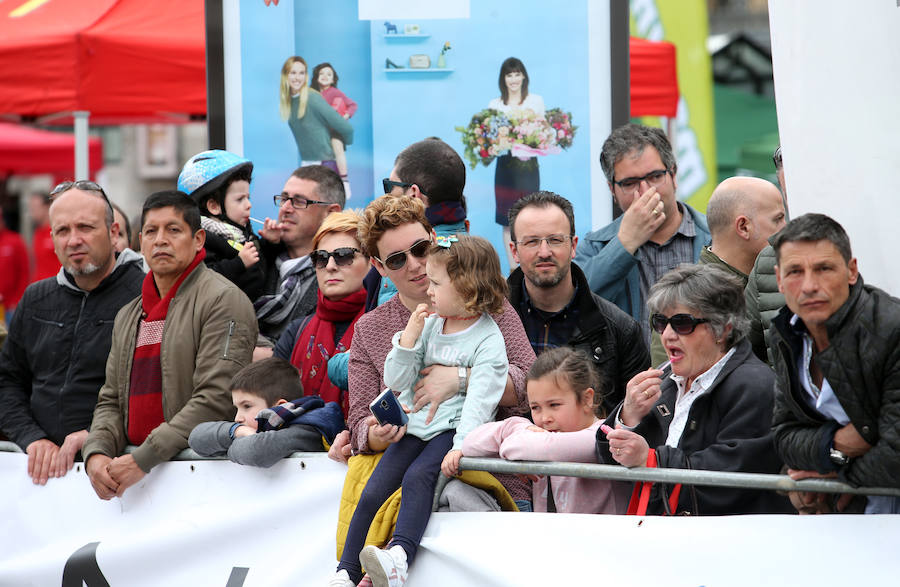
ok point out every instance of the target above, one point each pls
(642, 218)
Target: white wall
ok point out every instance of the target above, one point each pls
(837, 90)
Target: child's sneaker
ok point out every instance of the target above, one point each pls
(341, 579)
(387, 568)
(366, 581)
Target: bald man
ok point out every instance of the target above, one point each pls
(54, 361)
(743, 212)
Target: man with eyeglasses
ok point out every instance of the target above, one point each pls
(54, 362)
(310, 194)
(555, 303)
(654, 234)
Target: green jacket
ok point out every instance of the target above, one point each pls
(313, 132)
(209, 334)
(763, 302)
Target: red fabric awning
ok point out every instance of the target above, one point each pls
(654, 78)
(25, 151)
(121, 60)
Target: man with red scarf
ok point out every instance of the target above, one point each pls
(174, 351)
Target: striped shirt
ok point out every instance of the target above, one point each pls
(656, 260)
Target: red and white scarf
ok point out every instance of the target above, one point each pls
(145, 410)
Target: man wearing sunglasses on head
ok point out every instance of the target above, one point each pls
(430, 171)
(310, 194)
(654, 234)
(54, 362)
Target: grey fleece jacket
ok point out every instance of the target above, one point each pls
(263, 449)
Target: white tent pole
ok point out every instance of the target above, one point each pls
(81, 144)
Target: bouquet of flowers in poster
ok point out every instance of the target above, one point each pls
(523, 134)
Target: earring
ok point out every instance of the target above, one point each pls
(388, 64)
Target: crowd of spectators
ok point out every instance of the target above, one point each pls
(733, 341)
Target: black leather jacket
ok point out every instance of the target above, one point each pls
(862, 365)
(54, 362)
(607, 334)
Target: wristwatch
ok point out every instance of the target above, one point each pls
(463, 380)
(838, 458)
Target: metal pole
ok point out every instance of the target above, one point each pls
(82, 154)
(689, 476)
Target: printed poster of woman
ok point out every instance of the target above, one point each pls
(314, 123)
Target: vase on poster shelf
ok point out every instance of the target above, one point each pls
(442, 59)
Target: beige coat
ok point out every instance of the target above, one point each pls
(208, 336)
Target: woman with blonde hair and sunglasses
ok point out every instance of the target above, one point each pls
(709, 407)
(311, 119)
(309, 342)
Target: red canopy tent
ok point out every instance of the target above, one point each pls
(118, 60)
(25, 150)
(654, 78)
(121, 60)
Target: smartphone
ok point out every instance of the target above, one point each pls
(387, 410)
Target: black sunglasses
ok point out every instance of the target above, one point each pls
(683, 324)
(397, 260)
(342, 257)
(390, 184)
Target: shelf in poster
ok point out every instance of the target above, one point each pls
(420, 70)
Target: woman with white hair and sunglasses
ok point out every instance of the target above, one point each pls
(708, 407)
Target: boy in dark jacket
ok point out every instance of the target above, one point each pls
(261, 436)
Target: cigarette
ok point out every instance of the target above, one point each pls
(256, 220)
(663, 366)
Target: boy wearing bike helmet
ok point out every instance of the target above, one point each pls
(219, 182)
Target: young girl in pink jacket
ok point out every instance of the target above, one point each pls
(560, 385)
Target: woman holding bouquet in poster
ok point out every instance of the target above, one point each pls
(514, 178)
(312, 120)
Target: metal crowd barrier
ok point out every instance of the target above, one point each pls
(689, 476)
(760, 481)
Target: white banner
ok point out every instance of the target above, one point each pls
(217, 523)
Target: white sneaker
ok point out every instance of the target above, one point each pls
(386, 568)
(341, 579)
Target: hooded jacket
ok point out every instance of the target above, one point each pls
(52, 365)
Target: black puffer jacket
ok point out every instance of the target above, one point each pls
(727, 430)
(607, 334)
(862, 365)
(54, 362)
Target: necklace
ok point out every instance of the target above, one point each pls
(459, 317)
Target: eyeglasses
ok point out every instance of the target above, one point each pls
(777, 158)
(654, 178)
(297, 202)
(682, 324)
(397, 260)
(390, 184)
(342, 257)
(554, 241)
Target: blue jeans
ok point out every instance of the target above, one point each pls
(413, 464)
